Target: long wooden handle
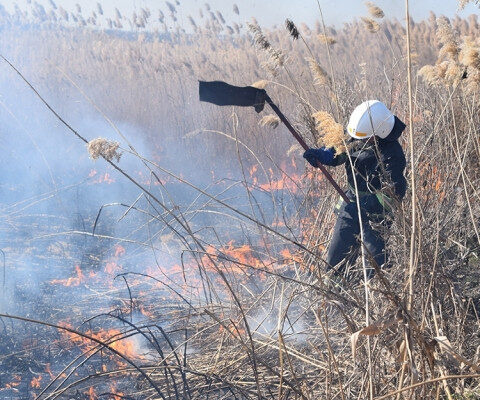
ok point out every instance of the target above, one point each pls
(305, 146)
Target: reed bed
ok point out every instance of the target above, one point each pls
(248, 314)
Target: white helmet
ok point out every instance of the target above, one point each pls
(370, 118)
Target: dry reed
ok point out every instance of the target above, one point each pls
(107, 149)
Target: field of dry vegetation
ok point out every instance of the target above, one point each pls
(192, 266)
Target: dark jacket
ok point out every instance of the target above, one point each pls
(378, 169)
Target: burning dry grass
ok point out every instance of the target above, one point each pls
(252, 318)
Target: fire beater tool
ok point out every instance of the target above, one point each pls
(223, 94)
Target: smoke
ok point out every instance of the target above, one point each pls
(51, 188)
(81, 240)
(52, 195)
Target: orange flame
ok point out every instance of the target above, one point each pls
(242, 255)
(35, 382)
(102, 178)
(48, 370)
(119, 250)
(289, 178)
(116, 395)
(72, 281)
(91, 393)
(127, 346)
(13, 384)
(112, 268)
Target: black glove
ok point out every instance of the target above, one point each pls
(322, 155)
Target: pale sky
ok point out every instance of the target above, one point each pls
(272, 12)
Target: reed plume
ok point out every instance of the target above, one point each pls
(463, 3)
(320, 76)
(469, 54)
(258, 36)
(277, 58)
(446, 37)
(192, 21)
(260, 84)
(292, 29)
(171, 7)
(220, 17)
(331, 132)
(101, 147)
(374, 10)
(270, 120)
(371, 25)
(325, 39)
(294, 149)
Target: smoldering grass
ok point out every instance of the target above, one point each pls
(270, 120)
(101, 147)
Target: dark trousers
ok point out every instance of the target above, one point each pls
(345, 244)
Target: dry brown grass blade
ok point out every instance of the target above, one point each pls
(373, 329)
(270, 120)
(428, 382)
(446, 346)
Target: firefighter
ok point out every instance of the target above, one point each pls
(377, 162)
